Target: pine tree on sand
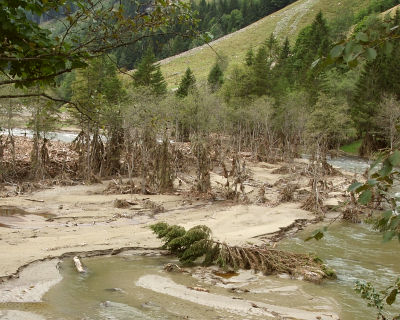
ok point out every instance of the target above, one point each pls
(197, 243)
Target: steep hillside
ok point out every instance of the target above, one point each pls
(286, 22)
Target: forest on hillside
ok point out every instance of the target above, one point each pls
(215, 19)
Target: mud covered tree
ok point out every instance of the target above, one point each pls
(148, 152)
(202, 114)
(290, 122)
(44, 119)
(9, 110)
(99, 93)
(250, 125)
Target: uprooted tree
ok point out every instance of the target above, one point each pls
(197, 243)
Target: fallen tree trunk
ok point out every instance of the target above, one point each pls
(197, 242)
(78, 265)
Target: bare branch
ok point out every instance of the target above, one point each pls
(46, 96)
(35, 79)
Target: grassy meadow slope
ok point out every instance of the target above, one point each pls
(286, 22)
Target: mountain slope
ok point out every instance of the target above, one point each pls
(286, 22)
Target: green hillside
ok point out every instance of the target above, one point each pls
(286, 22)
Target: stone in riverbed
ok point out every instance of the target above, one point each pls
(119, 290)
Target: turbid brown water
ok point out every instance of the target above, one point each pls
(134, 287)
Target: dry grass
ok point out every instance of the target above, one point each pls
(287, 22)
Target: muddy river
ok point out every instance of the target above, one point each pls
(135, 287)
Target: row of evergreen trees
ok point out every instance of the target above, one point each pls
(218, 17)
(279, 69)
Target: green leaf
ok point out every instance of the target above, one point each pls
(337, 51)
(370, 54)
(353, 187)
(388, 47)
(391, 297)
(365, 197)
(388, 235)
(353, 63)
(357, 49)
(386, 168)
(376, 162)
(395, 158)
(317, 235)
(387, 214)
(361, 36)
(349, 48)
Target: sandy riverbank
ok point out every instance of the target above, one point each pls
(79, 219)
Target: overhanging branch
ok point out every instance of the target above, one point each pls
(46, 96)
(35, 79)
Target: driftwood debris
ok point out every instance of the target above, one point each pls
(34, 200)
(78, 265)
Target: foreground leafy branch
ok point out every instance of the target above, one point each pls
(383, 175)
(377, 299)
(197, 243)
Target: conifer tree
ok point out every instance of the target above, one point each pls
(312, 41)
(285, 50)
(250, 57)
(158, 83)
(148, 74)
(260, 72)
(272, 46)
(215, 77)
(145, 70)
(187, 84)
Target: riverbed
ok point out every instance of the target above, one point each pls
(131, 286)
(63, 221)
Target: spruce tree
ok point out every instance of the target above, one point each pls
(145, 70)
(272, 46)
(187, 84)
(312, 41)
(250, 57)
(261, 69)
(158, 83)
(215, 77)
(285, 50)
(148, 74)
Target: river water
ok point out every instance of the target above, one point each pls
(135, 287)
(64, 136)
